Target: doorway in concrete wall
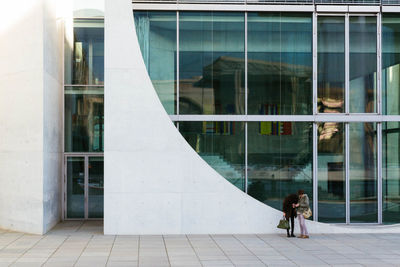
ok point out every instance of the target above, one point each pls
(83, 187)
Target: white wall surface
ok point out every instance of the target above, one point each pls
(29, 89)
(154, 182)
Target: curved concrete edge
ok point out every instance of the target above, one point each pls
(155, 183)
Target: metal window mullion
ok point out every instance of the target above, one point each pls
(379, 172)
(315, 63)
(347, 170)
(177, 62)
(315, 171)
(245, 64)
(245, 158)
(86, 187)
(347, 64)
(64, 190)
(379, 63)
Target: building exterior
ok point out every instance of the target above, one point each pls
(185, 117)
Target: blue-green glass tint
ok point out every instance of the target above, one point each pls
(279, 63)
(84, 53)
(391, 172)
(363, 66)
(279, 160)
(331, 68)
(211, 63)
(331, 172)
(96, 187)
(220, 144)
(390, 64)
(75, 187)
(363, 173)
(156, 32)
(84, 119)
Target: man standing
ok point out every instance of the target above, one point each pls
(289, 211)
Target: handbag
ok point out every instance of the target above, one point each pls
(307, 214)
(283, 224)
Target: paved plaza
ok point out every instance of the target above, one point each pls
(77, 243)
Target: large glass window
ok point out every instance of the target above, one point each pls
(220, 144)
(279, 160)
(363, 173)
(363, 64)
(391, 64)
(331, 172)
(391, 172)
(211, 63)
(156, 33)
(84, 119)
(331, 64)
(84, 55)
(279, 63)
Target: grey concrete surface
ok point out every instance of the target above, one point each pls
(76, 243)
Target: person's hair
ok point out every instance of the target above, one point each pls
(300, 192)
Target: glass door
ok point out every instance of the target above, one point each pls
(84, 187)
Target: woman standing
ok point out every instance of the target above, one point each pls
(302, 207)
(289, 211)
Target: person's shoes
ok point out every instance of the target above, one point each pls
(306, 236)
(292, 235)
(301, 236)
(288, 235)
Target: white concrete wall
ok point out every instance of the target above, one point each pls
(154, 182)
(28, 169)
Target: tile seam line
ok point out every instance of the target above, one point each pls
(277, 250)
(27, 250)
(249, 249)
(111, 249)
(223, 251)
(194, 250)
(55, 251)
(166, 250)
(83, 250)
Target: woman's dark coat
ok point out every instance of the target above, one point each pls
(287, 205)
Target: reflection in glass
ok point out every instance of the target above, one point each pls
(96, 187)
(363, 173)
(279, 63)
(331, 65)
(84, 55)
(156, 33)
(331, 173)
(391, 64)
(391, 172)
(220, 144)
(279, 160)
(211, 63)
(84, 119)
(75, 187)
(363, 64)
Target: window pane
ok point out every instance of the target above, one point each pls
(331, 67)
(220, 144)
(279, 160)
(363, 173)
(211, 63)
(96, 187)
(279, 63)
(84, 119)
(363, 64)
(84, 55)
(391, 64)
(75, 187)
(391, 172)
(331, 173)
(156, 33)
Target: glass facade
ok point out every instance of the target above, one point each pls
(279, 63)
(221, 144)
(331, 64)
(279, 160)
(211, 63)
(260, 65)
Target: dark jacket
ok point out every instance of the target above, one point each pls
(287, 205)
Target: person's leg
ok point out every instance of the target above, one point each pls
(301, 219)
(292, 221)
(287, 230)
(305, 227)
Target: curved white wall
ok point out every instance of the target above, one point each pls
(155, 183)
